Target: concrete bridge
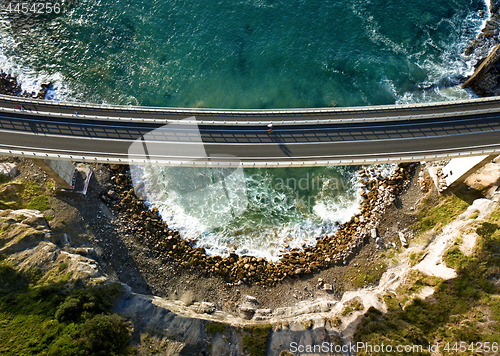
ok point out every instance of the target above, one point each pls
(204, 137)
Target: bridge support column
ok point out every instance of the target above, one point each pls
(458, 169)
(63, 172)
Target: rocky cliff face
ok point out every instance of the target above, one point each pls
(485, 51)
(486, 79)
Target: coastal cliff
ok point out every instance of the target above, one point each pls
(486, 79)
(485, 51)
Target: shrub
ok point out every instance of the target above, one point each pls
(214, 328)
(83, 302)
(256, 340)
(104, 335)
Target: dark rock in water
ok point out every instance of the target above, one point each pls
(8, 84)
(486, 79)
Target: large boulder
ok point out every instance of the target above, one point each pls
(8, 169)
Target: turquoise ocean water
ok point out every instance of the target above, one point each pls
(250, 54)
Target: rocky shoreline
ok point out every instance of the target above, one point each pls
(332, 250)
(10, 86)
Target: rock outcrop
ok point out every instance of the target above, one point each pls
(486, 79)
(8, 169)
(26, 239)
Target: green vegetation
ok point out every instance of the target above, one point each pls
(335, 321)
(4, 228)
(256, 339)
(19, 194)
(4, 179)
(456, 259)
(447, 210)
(54, 319)
(50, 185)
(466, 308)
(416, 257)
(487, 229)
(40, 203)
(214, 328)
(307, 324)
(31, 190)
(347, 310)
(352, 305)
(475, 215)
(368, 275)
(62, 266)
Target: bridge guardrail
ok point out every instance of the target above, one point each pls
(251, 112)
(477, 151)
(349, 120)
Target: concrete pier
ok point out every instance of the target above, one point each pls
(458, 169)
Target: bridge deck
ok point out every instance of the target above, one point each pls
(300, 137)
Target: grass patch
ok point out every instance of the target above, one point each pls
(32, 190)
(392, 302)
(416, 257)
(347, 310)
(475, 215)
(370, 275)
(40, 203)
(62, 266)
(487, 229)
(454, 258)
(4, 228)
(256, 340)
(447, 210)
(49, 218)
(352, 305)
(307, 324)
(334, 322)
(19, 194)
(415, 283)
(50, 186)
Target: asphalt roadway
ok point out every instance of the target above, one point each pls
(361, 135)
